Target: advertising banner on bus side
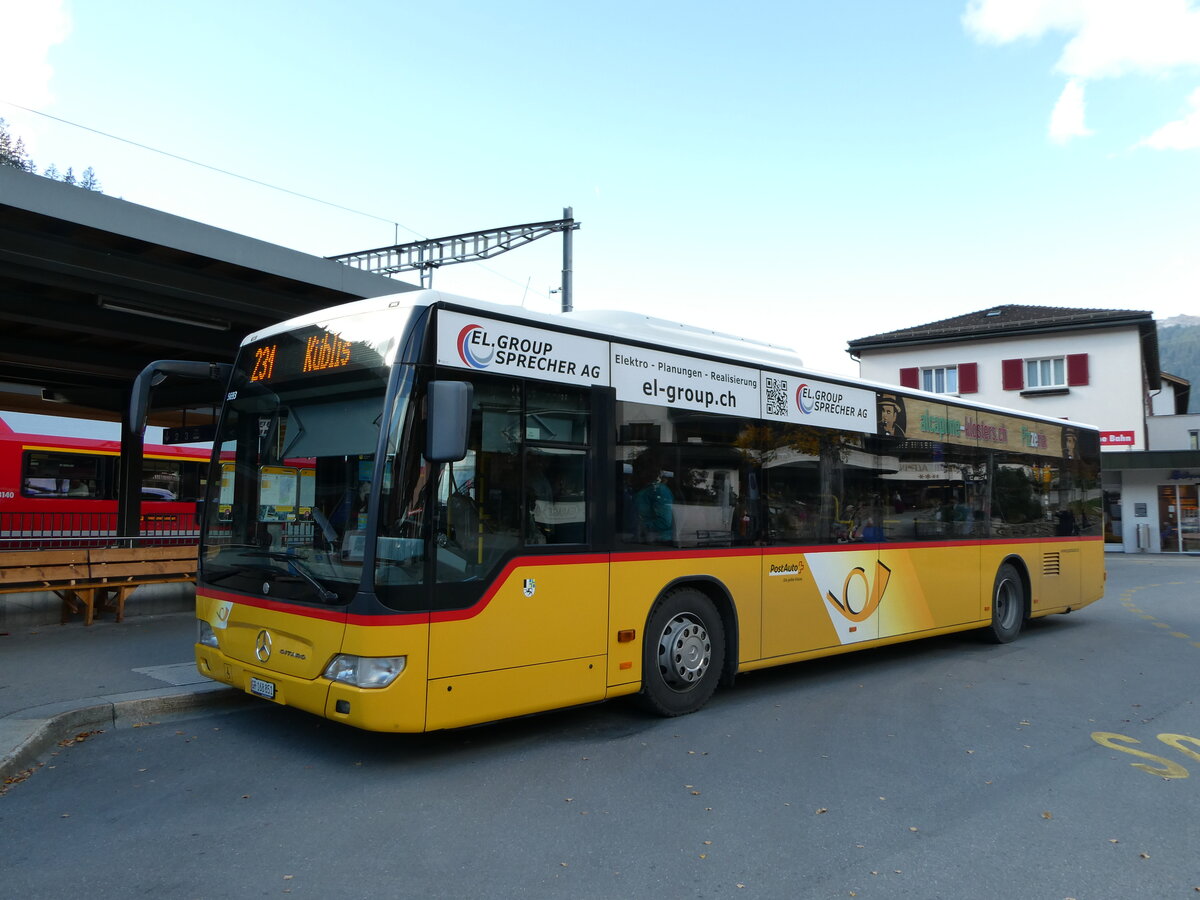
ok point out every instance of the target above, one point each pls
(474, 342)
(682, 382)
(791, 398)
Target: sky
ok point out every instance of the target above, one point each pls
(803, 173)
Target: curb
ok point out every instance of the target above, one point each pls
(30, 733)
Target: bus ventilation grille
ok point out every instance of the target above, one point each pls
(1051, 564)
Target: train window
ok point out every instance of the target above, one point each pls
(47, 474)
(161, 479)
(57, 475)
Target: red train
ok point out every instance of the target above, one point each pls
(63, 490)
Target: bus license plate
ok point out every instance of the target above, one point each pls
(261, 688)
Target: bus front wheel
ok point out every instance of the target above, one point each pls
(1008, 605)
(683, 653)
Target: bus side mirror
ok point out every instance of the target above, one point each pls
(448, 423)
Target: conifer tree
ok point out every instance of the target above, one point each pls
(13, 153)
(12, 150)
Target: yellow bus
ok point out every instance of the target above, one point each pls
(510, 512)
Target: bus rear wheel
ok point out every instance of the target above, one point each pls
(1008, 605)
(683, 653)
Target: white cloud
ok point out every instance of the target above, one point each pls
(1109, 37)
(1067, 119)
(1182, 134)
(1106, 39)
(31, 28)
(1002, 21)
(1149, 36)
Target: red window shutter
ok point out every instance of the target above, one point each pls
(910, 378)
(1077, 369)
(1012, 374)
(968, 378)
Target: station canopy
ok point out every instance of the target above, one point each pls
(93, 288)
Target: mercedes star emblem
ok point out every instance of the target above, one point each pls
(262, 646)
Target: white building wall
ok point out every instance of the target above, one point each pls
(1140, 487)
(1172, 432)
(1113, 399)
(1162, 403)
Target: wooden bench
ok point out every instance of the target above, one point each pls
(65, 572)
(116, 571)
(95, 580)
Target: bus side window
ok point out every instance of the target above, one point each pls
(806, 501)
(557, 426)
(477, 501)
(687, 480)
(556, 496)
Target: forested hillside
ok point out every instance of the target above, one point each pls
(1179, 354)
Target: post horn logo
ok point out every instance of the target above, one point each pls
(870, 596)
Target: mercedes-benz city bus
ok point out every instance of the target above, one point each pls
(510, 512)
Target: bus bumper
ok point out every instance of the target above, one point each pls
(399, 707)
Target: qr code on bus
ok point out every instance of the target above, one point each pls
(777, 396)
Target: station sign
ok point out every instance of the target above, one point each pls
(191, 434)
(1117, 439)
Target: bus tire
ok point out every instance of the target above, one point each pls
(683, 653)
(1008, 605)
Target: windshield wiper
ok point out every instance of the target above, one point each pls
(326, 595)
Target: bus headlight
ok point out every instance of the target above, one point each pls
(365, 671)
(205, 634)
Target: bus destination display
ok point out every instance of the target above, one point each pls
(296, 355)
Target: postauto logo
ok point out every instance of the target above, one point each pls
(471, 340)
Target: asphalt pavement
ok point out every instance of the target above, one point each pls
(59, 681)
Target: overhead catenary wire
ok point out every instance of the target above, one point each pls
(211, 168)
(274, 187)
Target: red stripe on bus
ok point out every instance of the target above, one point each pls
(775, 550)
(274, 605)
(458, 615)
(923, 545)
(644, 555)
(419, 618)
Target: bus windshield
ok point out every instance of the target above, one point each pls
(286, 516)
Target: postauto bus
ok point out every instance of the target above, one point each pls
(514, 512)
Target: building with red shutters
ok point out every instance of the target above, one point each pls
(1098, 366)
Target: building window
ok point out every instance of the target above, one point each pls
(958, 379)
(1046, 373)
(1194, 440)
(1049, 373)
(940, 380)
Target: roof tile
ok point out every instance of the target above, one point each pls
(1000, 319)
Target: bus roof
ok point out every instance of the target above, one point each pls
(609, 323)
(635, 328)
